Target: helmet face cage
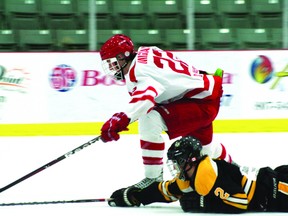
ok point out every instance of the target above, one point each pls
(176, 168)
(183, 152)
(112, 68)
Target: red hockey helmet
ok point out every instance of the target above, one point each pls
(118, 47)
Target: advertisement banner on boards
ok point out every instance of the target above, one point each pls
(255, 83)
(71, 87)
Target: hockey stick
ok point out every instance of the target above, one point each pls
(68, 154)
(56, 202)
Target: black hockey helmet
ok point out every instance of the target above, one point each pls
(181, 153)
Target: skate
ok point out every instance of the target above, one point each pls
(146, 182)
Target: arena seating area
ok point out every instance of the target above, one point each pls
(62, 25)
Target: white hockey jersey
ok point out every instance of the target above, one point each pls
(158, 77)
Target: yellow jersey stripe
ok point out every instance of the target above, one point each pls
(249, 187)
(243, 182)
(184, 186)
(163, 188)
(283, 187)
(251, 192)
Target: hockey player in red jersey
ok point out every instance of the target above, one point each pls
(203, 184)
(167, 94)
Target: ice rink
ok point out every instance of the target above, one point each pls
(99, 169)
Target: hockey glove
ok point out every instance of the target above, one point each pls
(124, 198)
(192, 202)
(117, 123)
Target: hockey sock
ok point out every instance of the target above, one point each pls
(152, 155)
(224, 155)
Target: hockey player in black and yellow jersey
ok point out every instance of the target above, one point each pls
(203, 184)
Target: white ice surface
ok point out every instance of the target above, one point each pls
(99, 169)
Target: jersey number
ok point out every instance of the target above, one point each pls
(221, 193)
(172, 62)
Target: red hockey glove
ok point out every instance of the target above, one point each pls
(117, 123)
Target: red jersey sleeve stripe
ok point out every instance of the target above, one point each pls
(150, 88)
(143, 98)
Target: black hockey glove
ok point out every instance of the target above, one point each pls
(192, 202)
(124, 197)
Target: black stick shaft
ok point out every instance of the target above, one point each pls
(56, 202)
(68, 154)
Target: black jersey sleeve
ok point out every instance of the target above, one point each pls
(165, 191)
